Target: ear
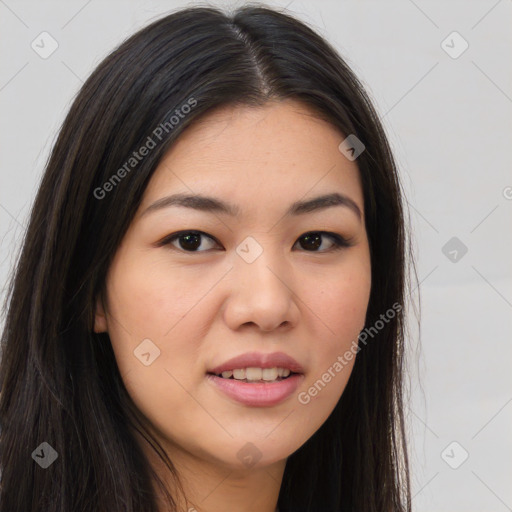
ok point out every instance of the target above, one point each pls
(100, 319)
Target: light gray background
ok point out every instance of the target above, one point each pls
(450, 124)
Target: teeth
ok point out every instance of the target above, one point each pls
(239, 374)
(253, 374)
(256, 374)
(270, 374)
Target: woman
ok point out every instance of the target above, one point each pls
(208, 311)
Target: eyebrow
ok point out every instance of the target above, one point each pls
(213, 205)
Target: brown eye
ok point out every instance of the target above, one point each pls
(188, 241)
(313, 240)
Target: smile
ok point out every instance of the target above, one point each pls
(256, 374)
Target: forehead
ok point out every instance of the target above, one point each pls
(254, 156)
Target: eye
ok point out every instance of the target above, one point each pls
(190, 241)
(313, 240)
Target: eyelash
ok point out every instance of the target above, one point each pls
(339, 241)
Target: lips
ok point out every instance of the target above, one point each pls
(258, 394)
(259, 360)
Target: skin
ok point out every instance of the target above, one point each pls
(202, 308)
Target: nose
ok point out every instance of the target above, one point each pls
(261, 294)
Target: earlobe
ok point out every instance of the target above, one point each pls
(100, 320)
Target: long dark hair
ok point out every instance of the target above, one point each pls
(59, 380)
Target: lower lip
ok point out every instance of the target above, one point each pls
(258, 394)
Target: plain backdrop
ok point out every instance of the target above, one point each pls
(445, 99)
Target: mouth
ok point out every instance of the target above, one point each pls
(256, 375)
(257, 380)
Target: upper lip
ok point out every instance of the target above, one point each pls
(259, 360)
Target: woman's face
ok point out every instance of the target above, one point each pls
(259, 281)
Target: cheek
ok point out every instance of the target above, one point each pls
(147, 301)
(157, 310)
(341, 302)
(152, 297)
(339, 311)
